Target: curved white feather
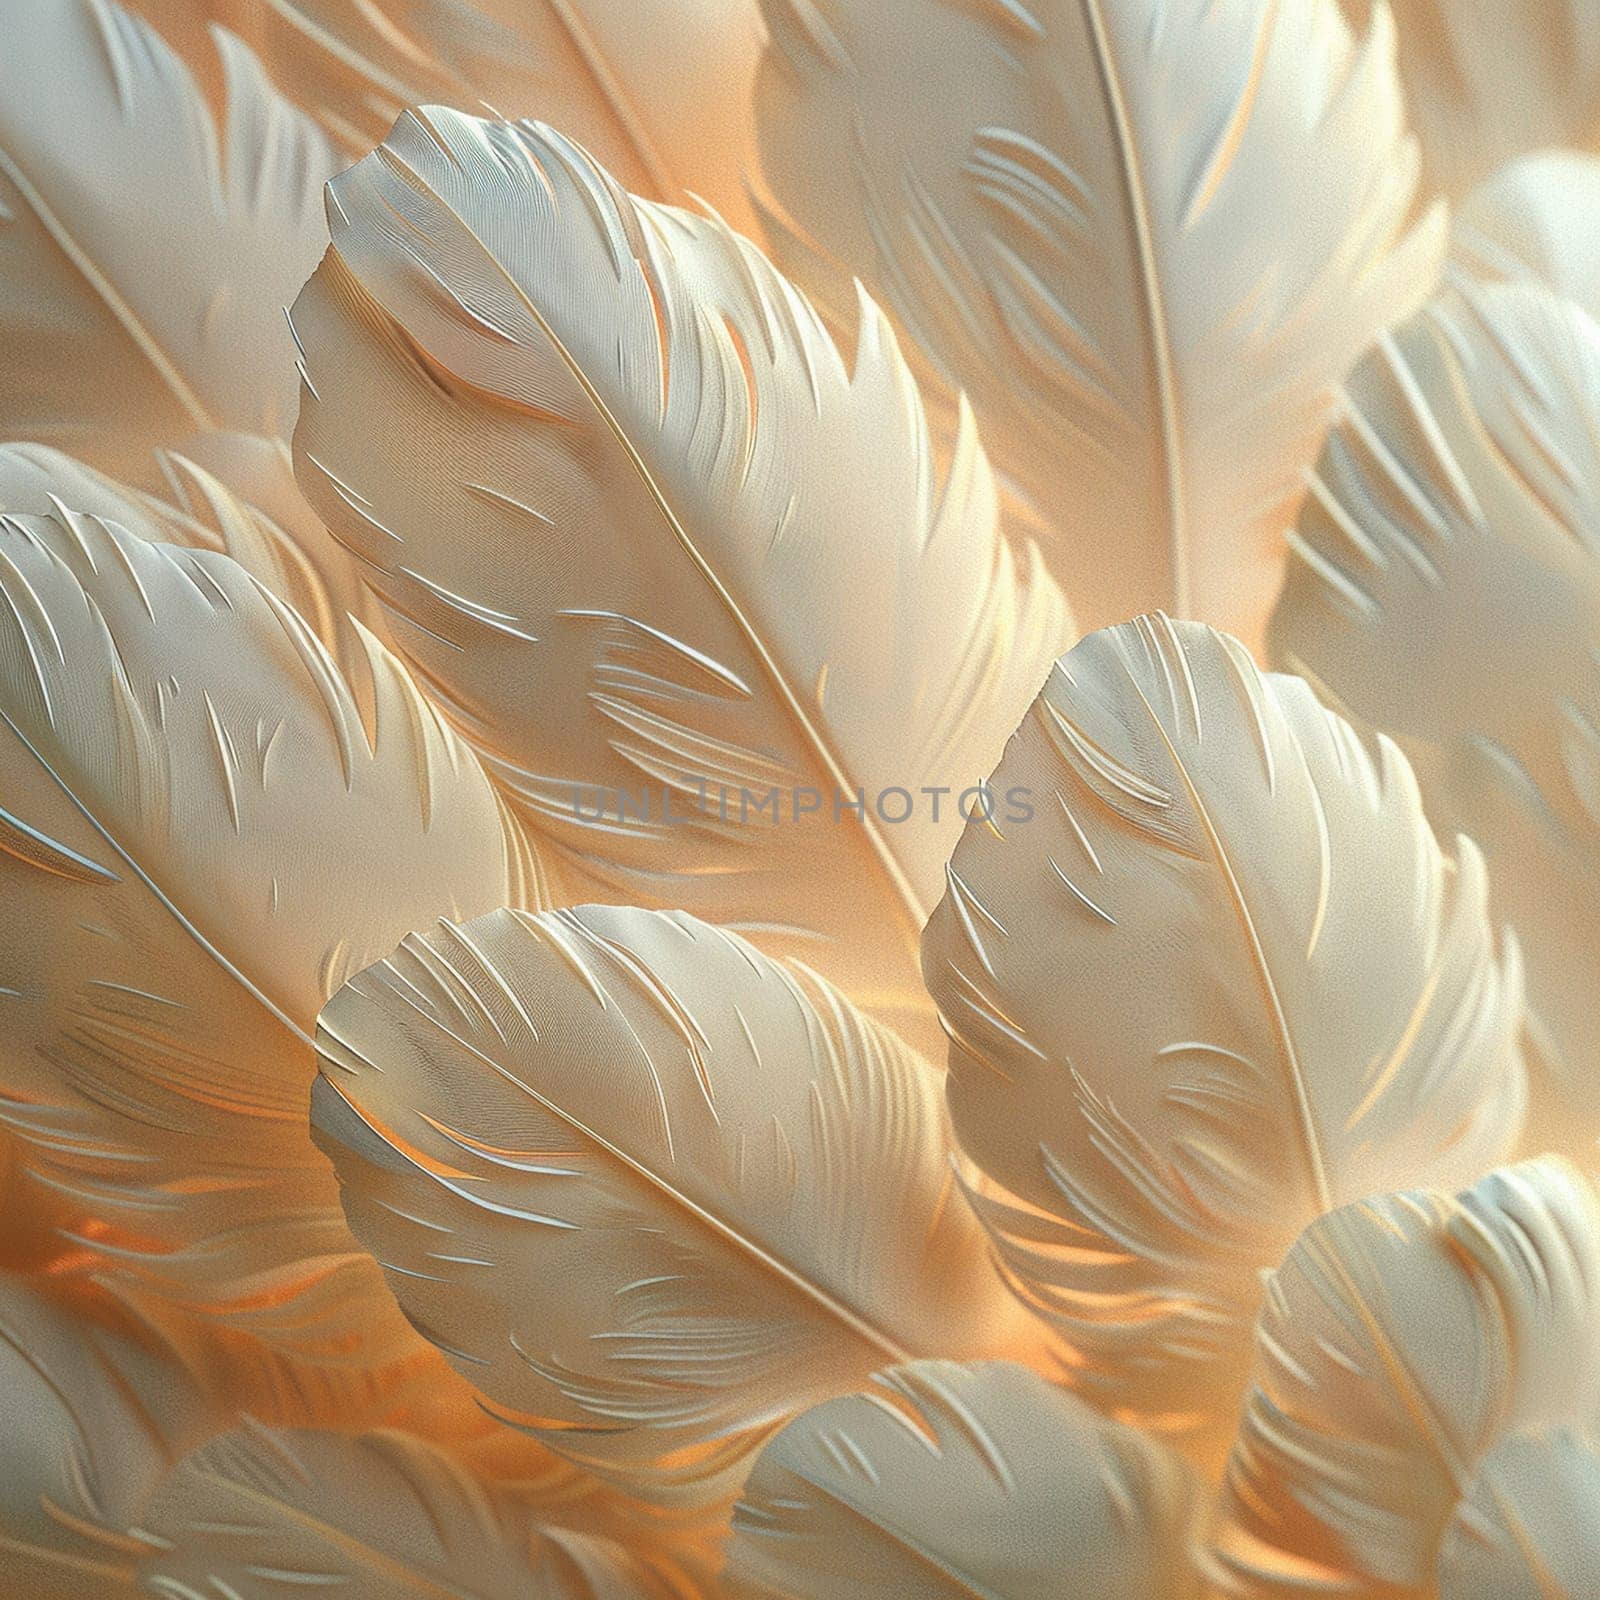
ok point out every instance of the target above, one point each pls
(653, 547)
(945, 1482)
(147, 247)
(1446, 588)
(651, 1191)
(1530, 1528)
(1406, 1343)
(660, 90)
(1538, 218)
(1485, 83)
(199, 841)
(230, 492)
(260, 1513)
(1145, 237)
(1223, 981)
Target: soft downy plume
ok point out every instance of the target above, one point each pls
(1426, 1391)
(1445, 587)
(650, 1190)
(120, 335)
(201, 843)
(1226, 981)
(624, 501)
(1146, 238)
(1539, 219)
(942, 1481)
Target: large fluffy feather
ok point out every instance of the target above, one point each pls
(944, 1482)
(650, 1190)
(660, 90)
(147, 249)
(1446, 588)
(198, 844)
(1486, 82)
(1538, 218)
(1145, 237)
(1223, 981)
(1414, 1353)
(642, 532)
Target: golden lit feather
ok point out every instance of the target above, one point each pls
(660, 90)
(1415, 1353)
(1145, 237)
(627, 509)
(650, 1190)
(198, 843)
(1487, 82)
(147, 245)
(259, 1514)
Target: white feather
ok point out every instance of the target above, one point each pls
(199, 841)
(1408, 1343)
(1146, 238)
(147, 247)
(643, 534)
(1223, 981)
(1446, 588)
(944, 1482)
(649, 1190)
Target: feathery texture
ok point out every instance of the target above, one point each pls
(1224, 981)
(1538, 218)
(1407, 1345)
(945, 1482)
(1486, 82)
(1446, 588)
(231, 492)
(1530, 1527)
(93, 1419)
(147, 247)
(1146, 238)
(649, 542)
(262, 1514)
(660, 90)
(650, 1190)
(198, 844)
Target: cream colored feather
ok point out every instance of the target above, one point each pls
(1530, 1527)
(660, 90)
(650, 1190)
(1145, 237)
(1224, 981)
(944, 1482)
(262, 1514)
(1538, 218)
(643, 534)
(1413, 1351)
(198, 844)
(1446, 588)
(230, 492)
(1487, 82)
(147, 246)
